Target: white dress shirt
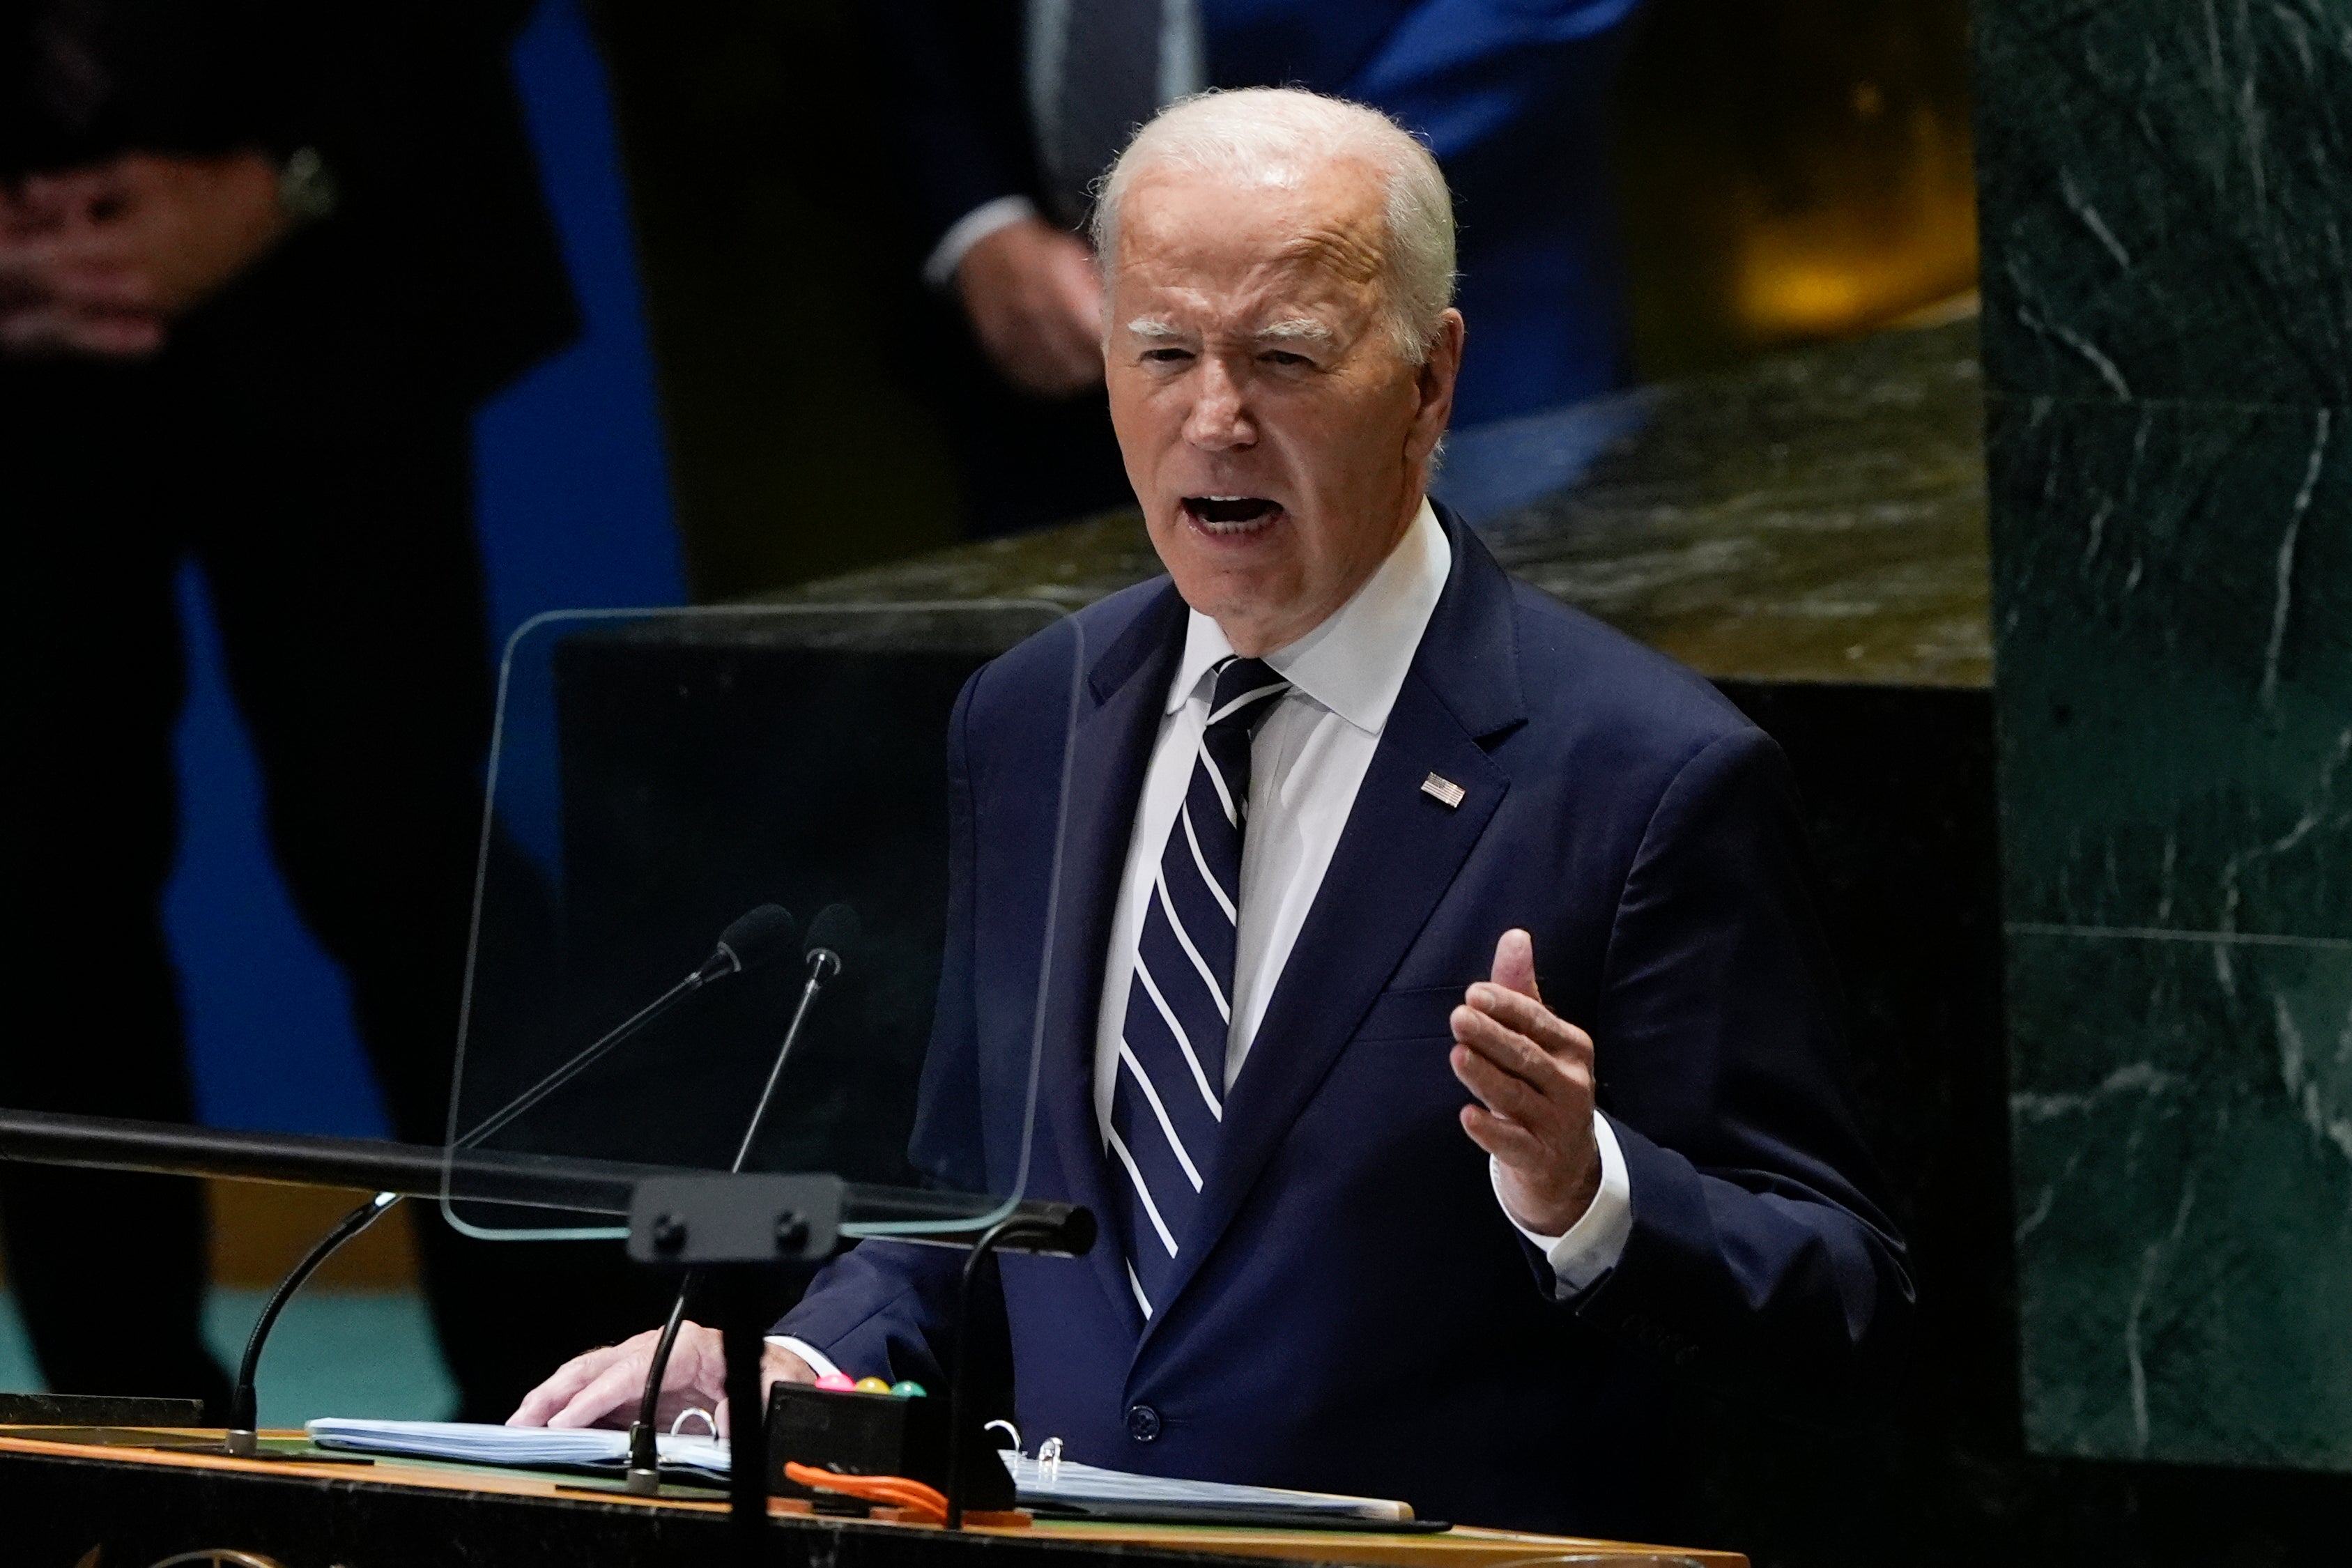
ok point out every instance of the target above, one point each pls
(1306, 762)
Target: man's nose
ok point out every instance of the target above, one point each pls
(1219, 419)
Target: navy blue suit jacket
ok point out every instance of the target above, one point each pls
(1511, 96)
(1356, 1313)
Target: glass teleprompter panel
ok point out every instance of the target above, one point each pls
(663, 782)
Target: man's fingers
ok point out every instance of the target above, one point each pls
(1044, 375)
(116, 334)
(34, 330)
(1033, 295)
(1070, 358)
(1531, 1071)
(568, 1380)
(48, 330)
(1505, 1141)
(1527, 1016)
(1502, 1092)
(94, 244)
(72, 197)
(562, 1389)
(622, 1383)
(103, 291)
(1067, 350)
(1507, 1048)
(1079, 287)
(1040, 350)
(81, 258)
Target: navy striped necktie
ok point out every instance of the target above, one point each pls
(1168, 1101)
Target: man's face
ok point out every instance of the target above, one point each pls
(1278, 439)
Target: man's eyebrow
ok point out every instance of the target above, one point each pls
(1296, 330)
(1155, 328)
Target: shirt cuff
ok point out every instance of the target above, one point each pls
(939, 266)
(819, 1362)
(1597, 1241)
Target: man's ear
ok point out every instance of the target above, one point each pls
(1436, 381)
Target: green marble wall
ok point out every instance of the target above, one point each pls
(2167, 207)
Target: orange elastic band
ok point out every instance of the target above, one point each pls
(897, 1491)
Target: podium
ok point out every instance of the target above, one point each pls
(576, 928)
(60, 1502)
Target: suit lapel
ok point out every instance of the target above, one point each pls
(1112, 752)
(1399, 851)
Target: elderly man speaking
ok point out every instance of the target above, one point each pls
(1383, 1215)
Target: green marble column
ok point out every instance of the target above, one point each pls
(2168, 343)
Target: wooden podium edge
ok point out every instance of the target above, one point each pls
(1465, 1546)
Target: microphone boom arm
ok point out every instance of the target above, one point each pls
(752, 942)
(629, 1028)
(818, 976)
(644, 1455)
(242, 1439)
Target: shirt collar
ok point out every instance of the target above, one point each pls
(1354, 663)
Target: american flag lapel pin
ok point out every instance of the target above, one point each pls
(1442, 790)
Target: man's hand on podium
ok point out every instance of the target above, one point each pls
(602, 1387)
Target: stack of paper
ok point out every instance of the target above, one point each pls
(1063, 1487)
(1066, 1486)
(526, 1447)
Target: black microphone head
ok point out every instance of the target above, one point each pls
(833, 930)
(758, 938)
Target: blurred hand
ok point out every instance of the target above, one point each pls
(100, 260)
(602, 1387)
(1532, 1072)
(1035, 300)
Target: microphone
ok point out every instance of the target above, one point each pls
(757, 938)
(834, 933)
(831, 935)
(754, 939)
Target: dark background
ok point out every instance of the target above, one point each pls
(1790, 169)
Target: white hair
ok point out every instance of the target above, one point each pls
(1271, 136)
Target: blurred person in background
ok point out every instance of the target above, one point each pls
(259, 262)
(1007, 110)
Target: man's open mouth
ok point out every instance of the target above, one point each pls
(1230, 514)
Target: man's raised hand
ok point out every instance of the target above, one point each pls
(1532, 1072)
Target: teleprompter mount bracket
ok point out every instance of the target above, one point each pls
(700, 1221)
